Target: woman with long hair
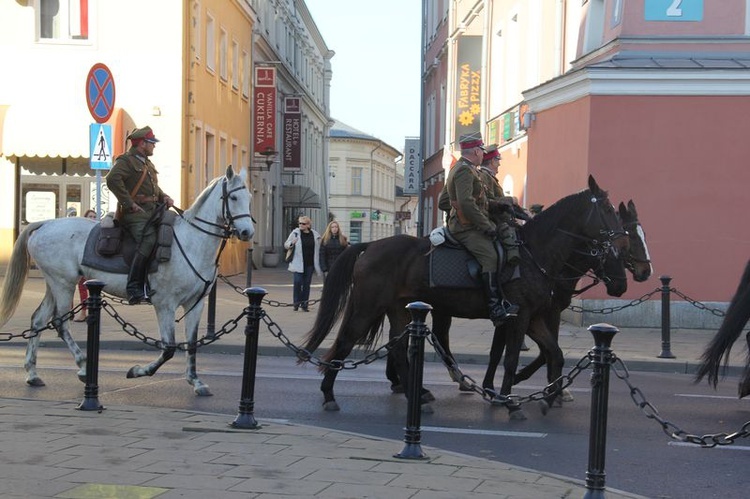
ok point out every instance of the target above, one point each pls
(334, 242)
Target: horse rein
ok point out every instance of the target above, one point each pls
(227, 229)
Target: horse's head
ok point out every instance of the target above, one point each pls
(637, 259)
(235, 205)
(602, 225)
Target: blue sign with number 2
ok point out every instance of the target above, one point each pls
(674, 10)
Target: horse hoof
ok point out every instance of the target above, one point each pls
(544, 406)
(463, 387)
(397, 389)
(132, 372)
(567, 396)
(35, 382)
(202, 391)
(331, 406)
(517, 415)
(427, 397)
(427, 409)
(82, 377)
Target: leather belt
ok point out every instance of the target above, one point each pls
(140, 198)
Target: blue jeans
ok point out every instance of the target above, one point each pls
(302, 282)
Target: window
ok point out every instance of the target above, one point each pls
(235, 156)
(245, 74)
(223, 65)
(197, 28)
(62, 20)
(210, 44)
(357, 181)
(355, 232)
(235, 65)
(222, 152)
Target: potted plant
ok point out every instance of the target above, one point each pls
(270, 257)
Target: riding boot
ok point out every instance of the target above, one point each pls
(136, 276)
(500, 308)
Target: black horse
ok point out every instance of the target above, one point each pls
(720, 346)
(636, 259)
(373, 280)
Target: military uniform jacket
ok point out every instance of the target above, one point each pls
(468, 200)
(492, 189)
(123, 177)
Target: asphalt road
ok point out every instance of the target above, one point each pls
(640, 457)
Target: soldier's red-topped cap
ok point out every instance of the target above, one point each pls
(490, 152)
(469, 140)
(144, 133)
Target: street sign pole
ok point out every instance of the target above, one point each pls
(100, 99)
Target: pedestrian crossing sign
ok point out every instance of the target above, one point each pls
(100, 141)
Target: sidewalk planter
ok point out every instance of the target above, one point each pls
(270, 258)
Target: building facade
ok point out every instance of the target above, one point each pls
(628, 91)
(363, 179)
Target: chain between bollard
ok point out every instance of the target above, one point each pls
(159, 344)
(336, 365)
(53, 324)
(670, 429)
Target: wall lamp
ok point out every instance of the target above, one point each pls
(269, 154)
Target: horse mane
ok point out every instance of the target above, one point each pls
(550, 219)
(201, 199)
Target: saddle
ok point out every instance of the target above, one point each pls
(451, 265)
(111, 249)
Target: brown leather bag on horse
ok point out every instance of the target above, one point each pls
(110, 238)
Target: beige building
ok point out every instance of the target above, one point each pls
(363, 179)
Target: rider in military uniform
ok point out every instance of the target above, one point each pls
(469, 222)
(133, 180)
(496, 196)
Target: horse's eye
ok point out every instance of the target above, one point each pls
(233, 198)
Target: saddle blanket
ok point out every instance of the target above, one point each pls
(116, 264)
(455, 268)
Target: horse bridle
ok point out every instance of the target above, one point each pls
(227, 228)
(631, 259)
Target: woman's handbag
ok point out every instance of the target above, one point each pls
(289, 254)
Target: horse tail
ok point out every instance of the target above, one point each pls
(18, 270)
(734, 321)
(336, 290)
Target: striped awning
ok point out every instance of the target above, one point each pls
(300, 196)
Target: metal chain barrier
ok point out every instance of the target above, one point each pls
(697, 304)
(336, 365)
(670, 429)
(55, 324)
(495, 398)
(272, 303)
(133, 331)
(611, 310)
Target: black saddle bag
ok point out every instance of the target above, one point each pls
(110, 239)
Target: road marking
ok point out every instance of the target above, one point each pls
(688, 395)
(494, 433)
(720, 447)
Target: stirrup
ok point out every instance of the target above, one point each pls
(511, 310)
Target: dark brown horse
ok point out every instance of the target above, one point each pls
(636, 259)
(374, 280)
(720, 346)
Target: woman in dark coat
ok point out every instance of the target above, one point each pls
(331, 246)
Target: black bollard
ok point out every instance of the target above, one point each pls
(211, 314)
(417, 334)
(94, 305)
(602, 359)
(245, 418)
(666, 343)
(249, 268)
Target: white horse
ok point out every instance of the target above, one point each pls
(57, 246)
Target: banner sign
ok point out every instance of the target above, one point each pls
(264, 97)
(468, 83)
(292, 148)
(412, 166)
